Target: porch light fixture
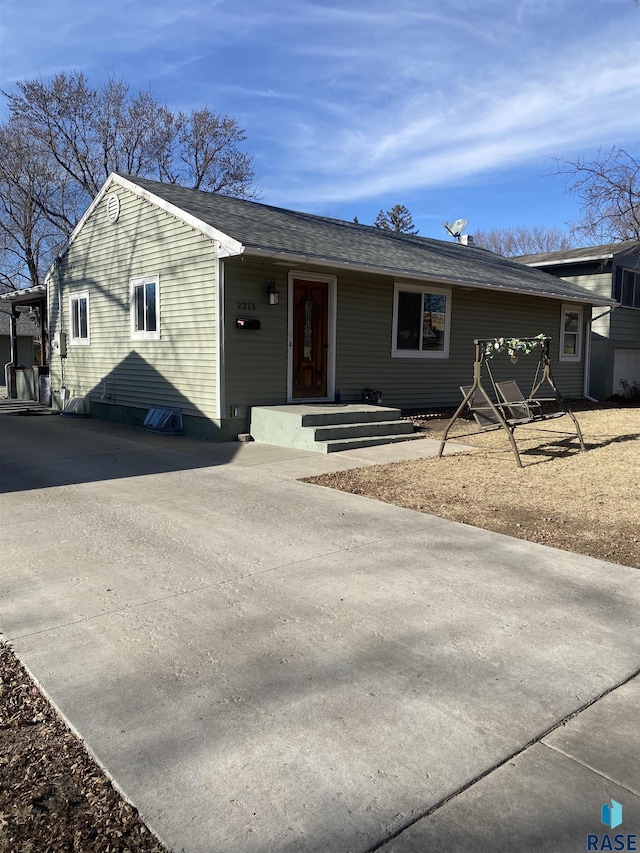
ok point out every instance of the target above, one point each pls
(271, 292)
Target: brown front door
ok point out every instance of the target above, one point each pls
(310, 338)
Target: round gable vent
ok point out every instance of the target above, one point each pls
(113, 208)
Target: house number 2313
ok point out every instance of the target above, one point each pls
(245, 306)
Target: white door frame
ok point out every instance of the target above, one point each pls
(332, 288)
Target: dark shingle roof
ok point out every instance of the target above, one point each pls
(260, 227)
(24, 326)
(586, 253)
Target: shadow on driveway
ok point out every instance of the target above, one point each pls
(44, 452)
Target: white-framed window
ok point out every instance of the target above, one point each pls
(571, 333)
(79, 319)
(421, 321)
(145, 307)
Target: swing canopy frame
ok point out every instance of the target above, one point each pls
(509, 408)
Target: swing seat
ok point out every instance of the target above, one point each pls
(484, 415)
(509, 408)
(522, 409)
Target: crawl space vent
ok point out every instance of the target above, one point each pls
(164, 421)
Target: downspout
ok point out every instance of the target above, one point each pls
(220, 359)
(587, 365)
(58, 284)
(42, 332)
(13, 358)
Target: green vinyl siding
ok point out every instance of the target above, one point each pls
(610, 330)
(624, 334)
(256, 362)
(624, 331)
(599, 283)
(364, 338)
(625, 327)
(177, 370)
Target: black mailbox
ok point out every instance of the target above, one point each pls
(247, 323)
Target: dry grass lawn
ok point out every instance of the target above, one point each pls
(583, 502)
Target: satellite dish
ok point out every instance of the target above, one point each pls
(456, 228)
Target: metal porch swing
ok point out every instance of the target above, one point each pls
(511, 408)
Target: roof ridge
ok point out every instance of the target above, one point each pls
(396, 235)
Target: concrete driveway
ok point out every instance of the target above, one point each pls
(266, 665)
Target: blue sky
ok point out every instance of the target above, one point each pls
(455, 108)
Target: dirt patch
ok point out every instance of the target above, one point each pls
(53, 796)
(588, 503)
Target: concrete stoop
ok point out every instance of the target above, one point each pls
(329, 427)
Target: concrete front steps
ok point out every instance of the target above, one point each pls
(329, 427)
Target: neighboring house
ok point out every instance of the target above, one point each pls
(166, 296)
(26, 332)
(25, 368)
(611, 270)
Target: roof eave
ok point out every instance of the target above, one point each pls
(25, 295)
(561, 262)
(282, 256)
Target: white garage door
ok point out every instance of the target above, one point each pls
(626, 366)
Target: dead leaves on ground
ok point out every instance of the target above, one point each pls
(53, 796)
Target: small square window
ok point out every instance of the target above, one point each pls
(145, 308)
(571, 333)
(79, 318)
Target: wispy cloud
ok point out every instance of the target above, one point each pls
(472, 112)
(347, 101)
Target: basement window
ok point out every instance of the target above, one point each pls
(79, 318)
(145, 308)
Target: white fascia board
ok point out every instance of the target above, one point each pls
(80, 224)
(24, 293)
(282, 257)
(582, 260)
(225, 245)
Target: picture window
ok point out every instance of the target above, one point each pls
(421, 322)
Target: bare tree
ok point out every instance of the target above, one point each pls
(210, 156)
(31, 188)
(68, 136)
(397, 219)
(608, 188)
(523, 240)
